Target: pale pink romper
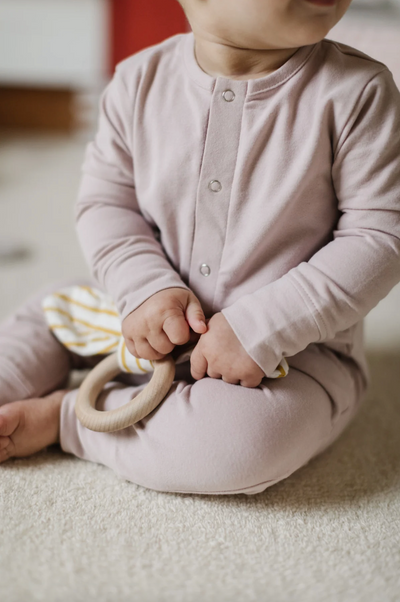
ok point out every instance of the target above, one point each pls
(276, 201)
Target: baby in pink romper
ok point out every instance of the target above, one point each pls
(242, 193)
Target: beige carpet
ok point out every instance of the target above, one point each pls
(72, 530)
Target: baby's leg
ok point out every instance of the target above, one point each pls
(32, 361)
(213, 437)
(206, 437)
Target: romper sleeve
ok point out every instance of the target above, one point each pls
(119, 245)
(345, 279)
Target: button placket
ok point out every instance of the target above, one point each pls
(219, 159)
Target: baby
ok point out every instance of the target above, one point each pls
(242, 193)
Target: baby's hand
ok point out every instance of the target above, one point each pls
(161, 322)
(219, 353)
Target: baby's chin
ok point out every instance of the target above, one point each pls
(291, 36)
(307, 35)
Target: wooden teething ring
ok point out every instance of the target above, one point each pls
(136, 409)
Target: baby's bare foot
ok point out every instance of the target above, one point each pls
(28, 426)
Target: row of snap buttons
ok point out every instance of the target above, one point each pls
(215, 185)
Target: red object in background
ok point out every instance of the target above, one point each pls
(136, 24)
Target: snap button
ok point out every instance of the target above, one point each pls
(205, 269)
(228, 95)
(215, 185)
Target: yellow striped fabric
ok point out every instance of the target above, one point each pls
(86, 321)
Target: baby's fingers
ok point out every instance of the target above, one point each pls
(198, 364)
(160, 342)
(177, 329)
(195, 316)
(142, 349)
(131, 346)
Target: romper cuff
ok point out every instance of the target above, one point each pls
(273, 322)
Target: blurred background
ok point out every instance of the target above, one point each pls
(55, 58)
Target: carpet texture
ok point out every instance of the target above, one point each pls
(73, 531)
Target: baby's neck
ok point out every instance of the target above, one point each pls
(220, 60)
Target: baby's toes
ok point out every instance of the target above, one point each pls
(10, 417)
(6, 448)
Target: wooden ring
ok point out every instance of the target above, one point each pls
(133, 411)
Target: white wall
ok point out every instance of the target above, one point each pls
(54, 42)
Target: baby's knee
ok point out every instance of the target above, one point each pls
(282, 428)
(234, 440)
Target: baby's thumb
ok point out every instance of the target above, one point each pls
(195, 317)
